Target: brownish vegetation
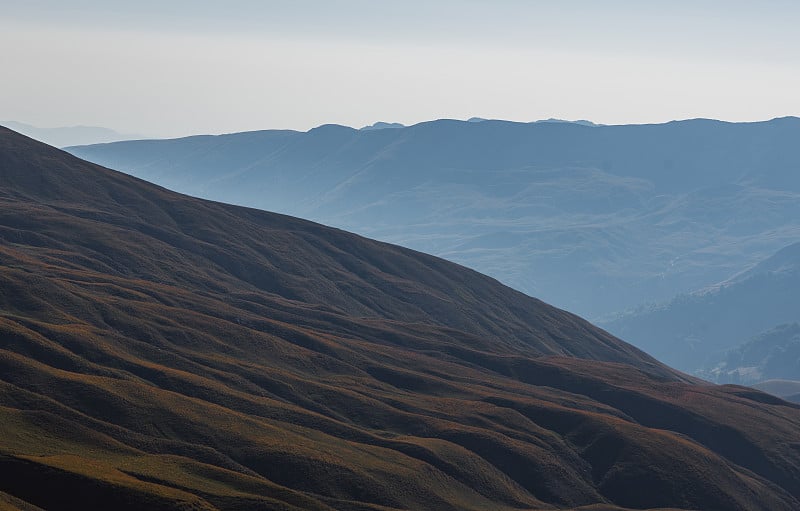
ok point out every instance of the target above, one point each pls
(163, 352)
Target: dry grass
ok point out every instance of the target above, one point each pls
(163, 352)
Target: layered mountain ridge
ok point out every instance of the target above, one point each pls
(594, 219)
(166, 352)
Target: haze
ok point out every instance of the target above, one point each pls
(177, 68)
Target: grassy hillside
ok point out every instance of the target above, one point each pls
(164, 352)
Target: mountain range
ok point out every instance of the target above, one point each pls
(166, 352)
(595, 219)
(69, 135)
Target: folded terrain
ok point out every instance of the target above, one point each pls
(742, 330)
(594, 219)
(164, 352)
(774, 354)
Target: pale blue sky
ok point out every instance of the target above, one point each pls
(168, 68)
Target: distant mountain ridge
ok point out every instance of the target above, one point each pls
(582, 122)
(772, 355)
(69, 135)
(382, 126)
(595, 219)
(711, 331)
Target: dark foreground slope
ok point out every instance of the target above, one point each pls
(163, 352)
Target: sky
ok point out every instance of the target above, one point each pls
(173, 68)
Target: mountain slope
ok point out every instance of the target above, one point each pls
(694, 332)
(165, 352)
(772, 355)
(595, 219)
(214, 247)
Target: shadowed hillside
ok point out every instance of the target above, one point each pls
(165, 352)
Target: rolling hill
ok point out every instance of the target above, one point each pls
(594, 219)
(165, 352)
(787, 389)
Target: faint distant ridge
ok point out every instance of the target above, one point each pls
(70, 135)
(582, 122)
(771, 355)
(382, 126)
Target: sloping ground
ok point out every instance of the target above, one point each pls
(732, 322)
(786, 389)
(774, 355)
(163, 352)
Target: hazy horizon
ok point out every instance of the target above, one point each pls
(18, 126)
(179, 68)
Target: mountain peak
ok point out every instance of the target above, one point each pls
(382, 126)
(553, 120)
